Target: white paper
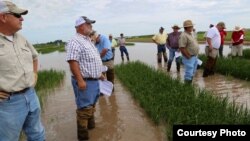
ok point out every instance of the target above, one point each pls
(104, 68)
(106, 87)
(177, 54)
(199, 61)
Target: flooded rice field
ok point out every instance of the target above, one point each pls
(119, 117)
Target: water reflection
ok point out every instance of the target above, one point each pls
(118, 117)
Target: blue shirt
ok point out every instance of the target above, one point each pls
(105, 43)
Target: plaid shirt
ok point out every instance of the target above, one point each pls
(81, 49)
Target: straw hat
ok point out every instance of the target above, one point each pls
(237, 28)
(175, 26)
(188, 23)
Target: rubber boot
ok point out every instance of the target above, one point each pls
(127, 58)
(165, 57)
(169, 66)
(122, 59)
(189, 82)
(159, 57)
(178, 66)
(205, 72)
(82, 122)
(91, 120)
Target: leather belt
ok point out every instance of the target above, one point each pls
(107, 60)
(90, 78)
(87, 78)
(18, 92)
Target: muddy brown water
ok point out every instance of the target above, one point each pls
(119, 117)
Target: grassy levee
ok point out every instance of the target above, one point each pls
(48, 80)
(167, 101)
(238, 68)
(48, 48)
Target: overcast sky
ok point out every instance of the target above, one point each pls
(49, 20)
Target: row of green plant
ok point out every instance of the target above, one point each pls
(246, 53)
(236, 67)
(168, 101)
(48, 80)
(48, 48)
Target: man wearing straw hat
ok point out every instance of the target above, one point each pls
(173, 46)
(212, 48)
(237, 41)
(19, 104)
(189, 48)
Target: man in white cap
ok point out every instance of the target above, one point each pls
(189, 48)
(19, 104)
(86, 68)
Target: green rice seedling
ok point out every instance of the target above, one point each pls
(237, 67)
(47, 80)
(168, 101)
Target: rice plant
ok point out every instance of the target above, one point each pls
(168, 101)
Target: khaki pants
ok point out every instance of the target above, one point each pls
(213, 53)
(237, 50)
(110, 72)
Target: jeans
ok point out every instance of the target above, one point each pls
(123, 49)
(172, 55)
(190, 67)
(21, 112)
(161, 49)
(87, 97)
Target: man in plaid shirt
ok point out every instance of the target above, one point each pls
(86, 67)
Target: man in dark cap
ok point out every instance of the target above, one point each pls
(19, 104)
(160, 40)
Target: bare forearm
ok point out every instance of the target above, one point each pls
(185, 53)
(75, 69)
(35, 65)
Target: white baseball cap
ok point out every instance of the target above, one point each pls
(82, 20)
(9, 7)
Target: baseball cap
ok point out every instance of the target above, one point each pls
(9, 7)
(82, 20)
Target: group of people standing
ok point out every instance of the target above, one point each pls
(186, 43)
(178, 42)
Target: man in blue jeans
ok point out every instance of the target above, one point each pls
(86, 68)
(189, 48)
(123, 49)
(19, 104)
(173, 46)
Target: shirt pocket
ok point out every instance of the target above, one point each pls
(27, 59)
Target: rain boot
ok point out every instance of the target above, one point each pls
(169, 66)
(178, 66)
(159, 57)
(189, 82)
(91, 120)
(165, 57)
(122, 59)
(82, 122)
(127, 58)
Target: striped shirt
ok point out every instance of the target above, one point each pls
(81, 49)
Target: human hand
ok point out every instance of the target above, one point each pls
(102, 77)
(81, 85)
(3, 96)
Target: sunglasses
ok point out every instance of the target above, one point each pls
(15, 15)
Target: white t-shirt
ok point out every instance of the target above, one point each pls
(214, 35)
